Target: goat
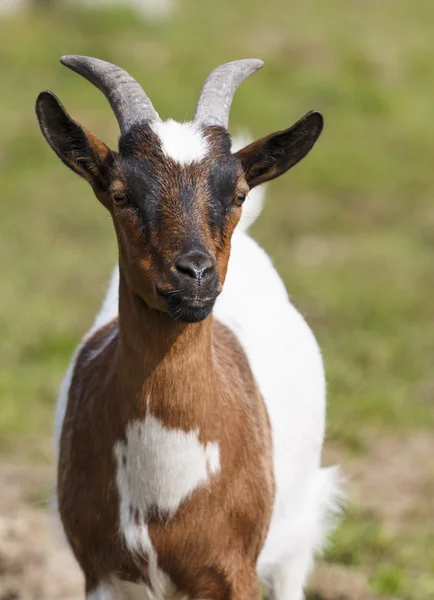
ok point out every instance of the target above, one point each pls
(190, 422)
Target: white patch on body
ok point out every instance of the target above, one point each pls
(102, 592)
(183, 142)
(158, 468)
(92, 354)
(117, 589)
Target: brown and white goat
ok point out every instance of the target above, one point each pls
(168, 455)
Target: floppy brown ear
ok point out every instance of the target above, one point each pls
(75, 145)
(273, 155)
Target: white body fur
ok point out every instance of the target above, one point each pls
(159, 467)
(287, 364)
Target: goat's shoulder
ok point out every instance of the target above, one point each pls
(90, 371)
(231, 359)
(96, 351)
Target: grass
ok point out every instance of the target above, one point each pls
(350, 229)
(397, 566)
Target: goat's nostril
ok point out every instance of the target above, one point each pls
(196, 265)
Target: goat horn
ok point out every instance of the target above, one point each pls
(219, 88)
(129, 102)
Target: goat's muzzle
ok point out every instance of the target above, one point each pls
(194, 286)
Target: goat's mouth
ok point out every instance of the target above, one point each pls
(187, 309)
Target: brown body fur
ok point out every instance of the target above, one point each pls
(196, 377)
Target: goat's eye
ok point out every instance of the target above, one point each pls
(120, 199)
(239, 198)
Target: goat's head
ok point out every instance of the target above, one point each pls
(174, 191)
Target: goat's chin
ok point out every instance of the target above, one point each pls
(190, 314)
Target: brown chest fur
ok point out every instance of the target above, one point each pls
(211, 544)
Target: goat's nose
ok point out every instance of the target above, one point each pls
(196, 264)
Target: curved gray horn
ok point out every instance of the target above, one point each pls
(219, 88)
(129, 102)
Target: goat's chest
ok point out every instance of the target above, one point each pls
(157, 468)
(158, 471)
(139, 500)
(170, 508)
(179, 498)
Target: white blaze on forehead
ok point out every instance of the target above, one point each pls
(183, 142)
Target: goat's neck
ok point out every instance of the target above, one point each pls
(155, 348)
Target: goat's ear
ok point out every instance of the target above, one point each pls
(75, 145)
(273, 155)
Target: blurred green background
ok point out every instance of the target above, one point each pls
(351, 230)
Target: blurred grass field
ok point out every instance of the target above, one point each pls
(351, 229)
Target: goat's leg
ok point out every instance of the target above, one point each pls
(246, 586)
(290, 576)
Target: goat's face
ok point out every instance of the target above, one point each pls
(175, 196)
(175, 193)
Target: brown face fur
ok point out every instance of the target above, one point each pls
(162, 211)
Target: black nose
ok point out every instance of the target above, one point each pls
(196, 264)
